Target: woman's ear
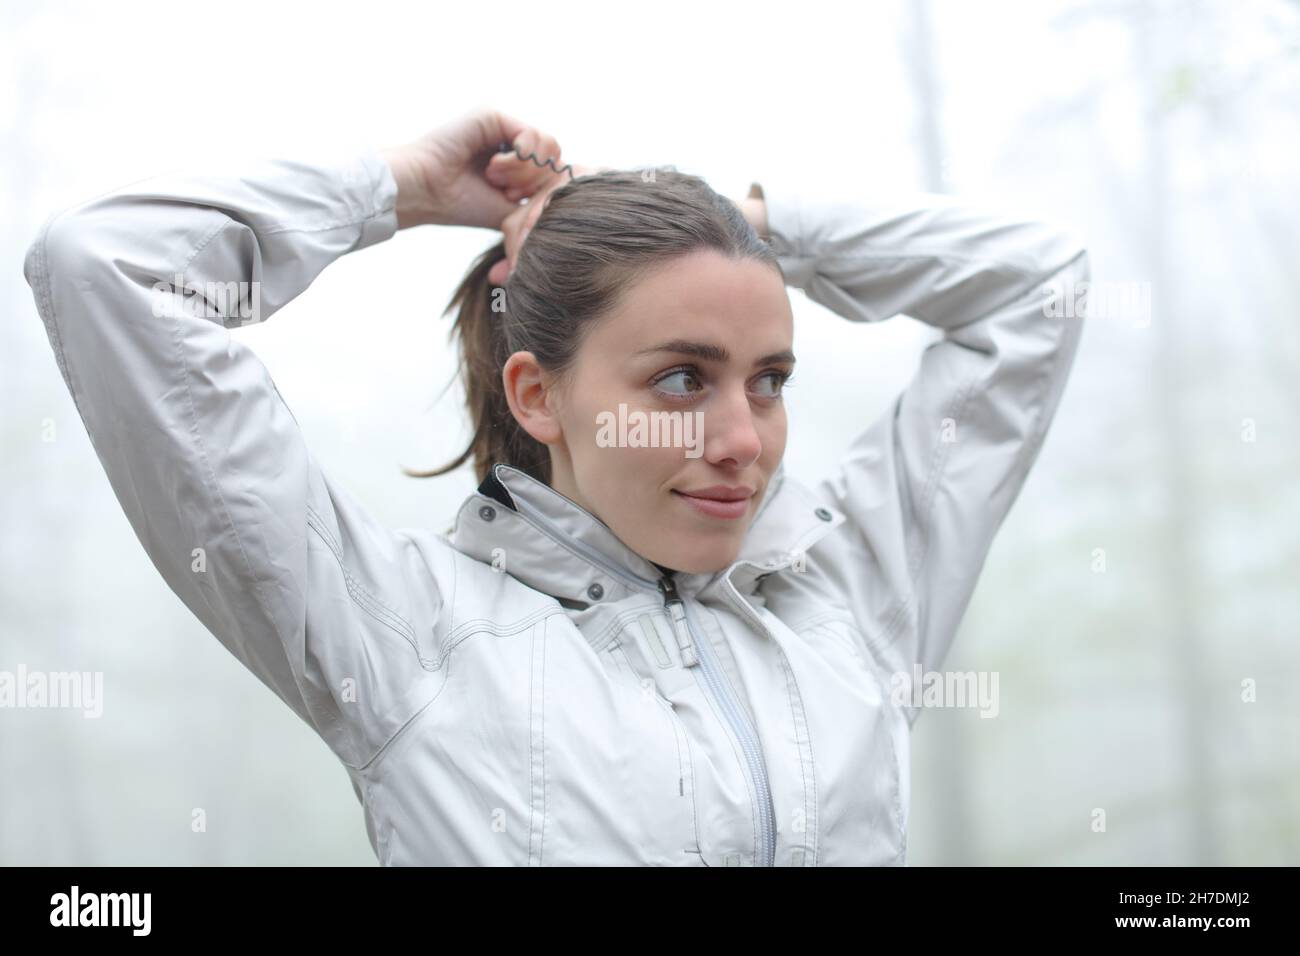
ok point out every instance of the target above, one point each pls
(533, 398)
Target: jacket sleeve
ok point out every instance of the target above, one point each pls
(138, 290)
(926, 486)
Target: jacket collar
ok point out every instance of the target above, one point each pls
(551, 543)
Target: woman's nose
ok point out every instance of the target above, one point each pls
(729, 432)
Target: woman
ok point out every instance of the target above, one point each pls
(623, 652)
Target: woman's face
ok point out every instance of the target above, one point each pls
(695, 353)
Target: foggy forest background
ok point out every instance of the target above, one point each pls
(1147, 575)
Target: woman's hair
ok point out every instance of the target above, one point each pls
(596, 237)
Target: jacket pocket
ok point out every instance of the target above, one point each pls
(618, 763)
(636, 669)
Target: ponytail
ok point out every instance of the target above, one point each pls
(484, 349)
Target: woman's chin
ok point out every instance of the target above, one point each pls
(706, 558)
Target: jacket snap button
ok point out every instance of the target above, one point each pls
(595, 592)
(487, 512)
(824, 514)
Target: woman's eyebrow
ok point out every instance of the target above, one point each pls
(713, 353)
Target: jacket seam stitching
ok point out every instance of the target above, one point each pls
(368, 765)
(363, 597)
(455, 583)
(679, 735)
(1038, 431)
(939, 255)
(478, 625)
(369, 212)
(810, 766)
(534, 694)
(588, 562)
(875, 648)
(371, 763)
(809, 623)
(751, 784)
(621, 620)
(939, 458)
(45, 308)
(484, 626)
(327, 226)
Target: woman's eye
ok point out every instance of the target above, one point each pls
(778, 380)
(681, 373)
(684, 376)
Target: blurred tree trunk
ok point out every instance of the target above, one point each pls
(953, 799)
(1177, 574)
(49, 632)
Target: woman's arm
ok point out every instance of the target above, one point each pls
(138, 290)
(927, 485)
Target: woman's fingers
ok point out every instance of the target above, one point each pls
(515, 229)
(545, 169)
(517, 224)
(516, 173)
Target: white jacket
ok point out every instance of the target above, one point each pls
(559, 708)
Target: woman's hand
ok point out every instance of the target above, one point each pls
(754, 209)
(455, 176)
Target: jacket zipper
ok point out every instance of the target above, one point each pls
(684, 631)
(744, 732)
(677, 614)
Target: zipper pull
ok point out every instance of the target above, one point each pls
(681, 627)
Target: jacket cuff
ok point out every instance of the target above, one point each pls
(785, 230)
(374, 189)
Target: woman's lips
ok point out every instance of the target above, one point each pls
(714, 508)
